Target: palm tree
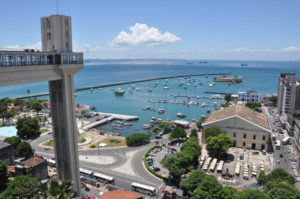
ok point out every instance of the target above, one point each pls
(59, 190)
(28, 91)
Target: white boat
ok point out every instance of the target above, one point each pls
(208, 110)
(215, 104)
(149, 89)
(160, 111)
(91, 89)
(165, 87)
(181, 115)
(211, 85)
(119, 91)
(217, 97)
(146, 126)
(203, 104)
(100, 89)
(137, 89)
(146, 108)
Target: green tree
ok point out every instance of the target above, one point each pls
(281, 190)
(37, 106)
(199, 123)
(28, 91)
(24, 150)
(273, 99)
(228, 193)
(59, 190)
(192, 182)
(22, 187)
(14, 141)
(175, 167)
(227, 98)
(251, 194)
(137, 139)
(3, 111)
(262, 178)
(254, 106)
(3, 176)
(93, 108)
(278, 175)
(219, 144)
(28, 128)
(177, 133)
(194, 133)
(209, 188)
(212, 131)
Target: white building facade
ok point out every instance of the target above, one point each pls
(248, 96)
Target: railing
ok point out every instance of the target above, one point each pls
(31, 57)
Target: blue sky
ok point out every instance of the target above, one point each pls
(190, 29)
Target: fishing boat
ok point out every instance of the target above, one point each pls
(146, 108)
(160, 111)
(181, 115)
(146, 126)
(119, 91)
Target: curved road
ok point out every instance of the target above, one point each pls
(121, 178)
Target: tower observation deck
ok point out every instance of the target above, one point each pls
(57, 64)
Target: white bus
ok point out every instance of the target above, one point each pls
(143, 188)
(277, 145)
(104, 178)
(285, 140)
(51, 162)
(220, 166)
(85, 172)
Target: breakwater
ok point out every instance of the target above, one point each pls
(127, 82)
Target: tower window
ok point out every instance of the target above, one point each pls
(48, 25)
(48, 36)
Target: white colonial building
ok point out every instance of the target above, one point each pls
(247, 128)
(248, 96)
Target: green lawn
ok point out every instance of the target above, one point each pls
(44, 130)
(113, 142)
(49, 143)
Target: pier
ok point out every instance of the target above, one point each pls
(124, 83)
(111, 117)
(216, 92)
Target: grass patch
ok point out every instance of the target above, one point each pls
(113, 142)
(49, 143)
(43, 130)
(84, 140)
(92, 146)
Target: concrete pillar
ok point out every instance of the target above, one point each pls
(65, 129)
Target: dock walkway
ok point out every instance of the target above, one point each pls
(111, 117)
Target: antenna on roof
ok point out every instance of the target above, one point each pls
(56, 6)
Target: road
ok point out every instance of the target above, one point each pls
(285, 151)
(122, 179)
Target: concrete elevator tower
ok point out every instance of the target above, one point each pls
(57, 64)
(56, 33)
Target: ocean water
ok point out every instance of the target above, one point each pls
(259, 76)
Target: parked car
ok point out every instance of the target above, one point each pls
(297, 179)
(278, 161)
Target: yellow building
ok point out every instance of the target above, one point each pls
(247, 128)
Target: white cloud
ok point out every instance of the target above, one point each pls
(36, 46)
(142, 34)
(291, 49)
(246, 50)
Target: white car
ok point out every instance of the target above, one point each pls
(297, 179)
(278, 161)
(294, 166)
(289, 150)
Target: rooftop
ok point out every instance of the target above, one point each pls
(4, 144)
(241, 111)
(32, 162)
(120, 194)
